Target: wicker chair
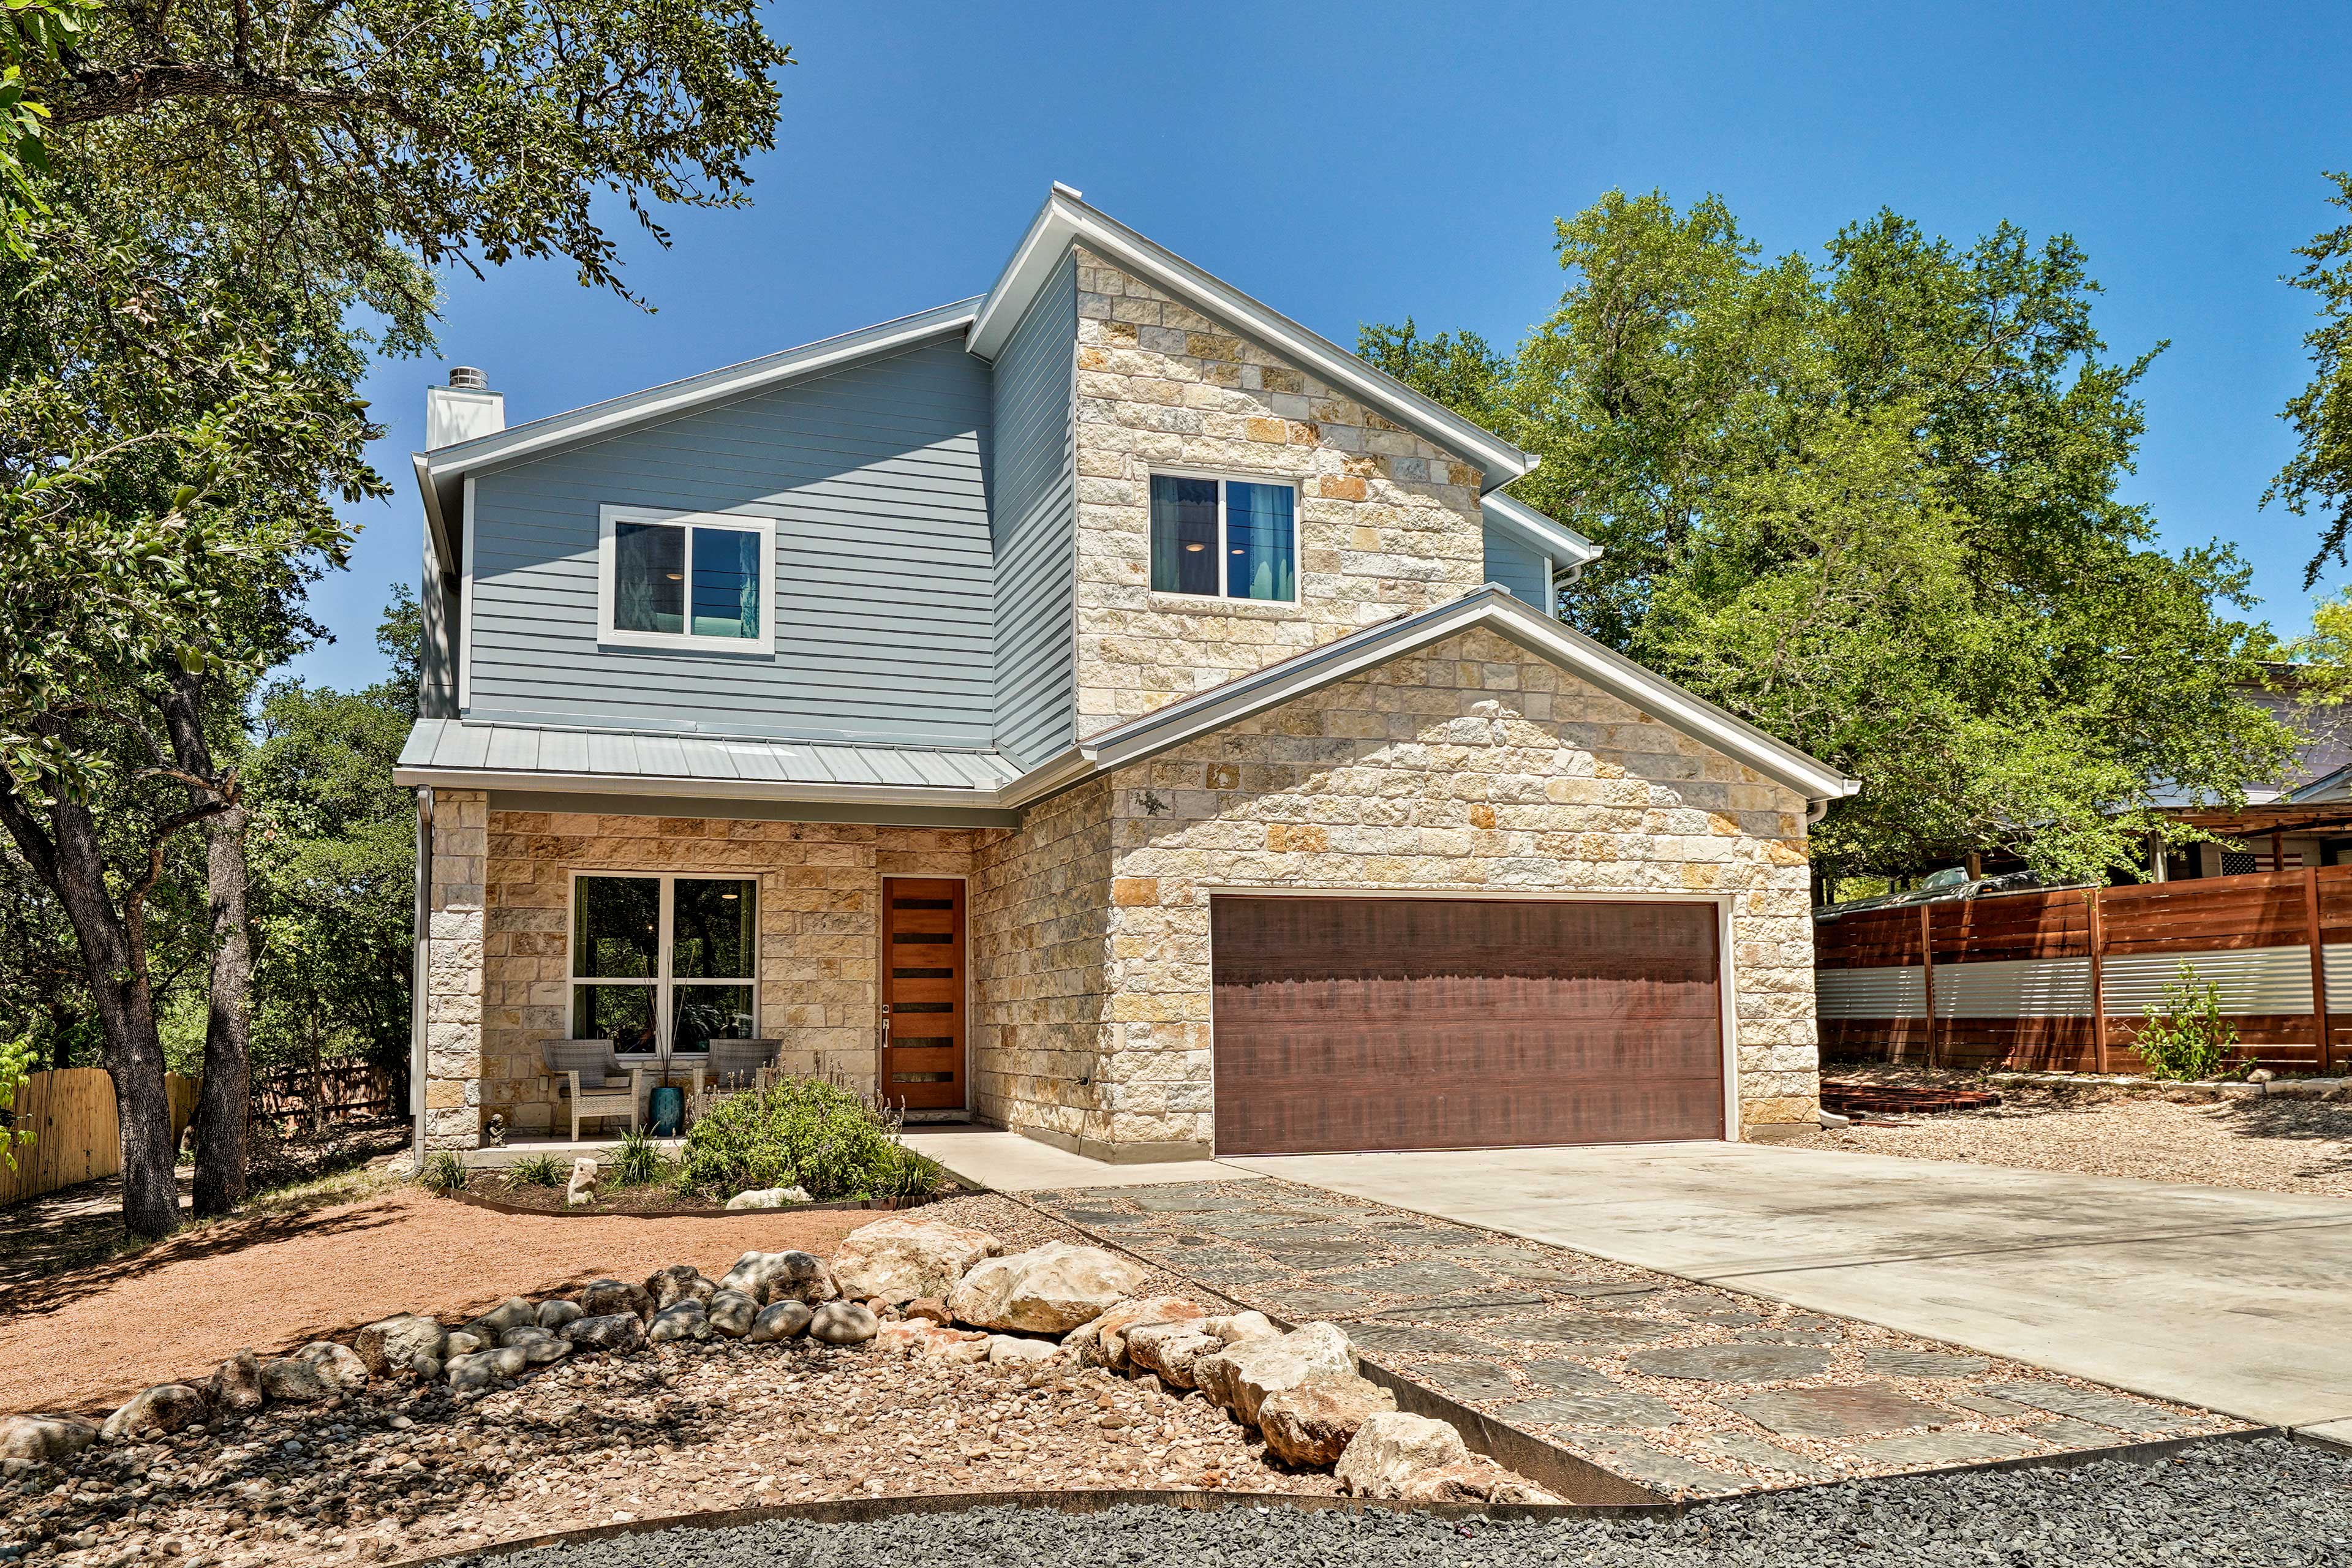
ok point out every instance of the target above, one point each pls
(732, 1067)
(592, 1079)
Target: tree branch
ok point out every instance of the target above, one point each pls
(99, 93)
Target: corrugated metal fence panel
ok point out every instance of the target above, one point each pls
(2249, 980)
(1886, 991)
(2014, 988)
(2339, 958)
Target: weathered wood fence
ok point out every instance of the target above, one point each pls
(76, 1138)
(2063, 979)
(337, 1091)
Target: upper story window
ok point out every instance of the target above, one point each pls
(698, 580)
(1223, 539)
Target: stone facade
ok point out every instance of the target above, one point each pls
(453, 976)
(1387, 523)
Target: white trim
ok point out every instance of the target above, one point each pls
(609, 635)
(695, 788)
(662, 982)
(466, 605)
(1727, 972)
(1532, 529)
(1064, 220)
(1221, 479)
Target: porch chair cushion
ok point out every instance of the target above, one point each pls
(593, 1059)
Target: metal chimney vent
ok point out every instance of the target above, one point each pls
(469, 378)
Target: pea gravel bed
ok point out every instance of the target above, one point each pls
(2267, 1502)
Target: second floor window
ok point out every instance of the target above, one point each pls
(699, 580)
(1225, 539)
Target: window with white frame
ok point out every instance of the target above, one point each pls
(1223, 539)
(655, 955)
(685, 580)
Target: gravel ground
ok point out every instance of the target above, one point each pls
(2268, 1502)
(2262, 1145)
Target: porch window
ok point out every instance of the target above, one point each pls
(1223, 539)
(687, 580)
(655, 955)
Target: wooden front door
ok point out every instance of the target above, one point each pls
(922, 992)
(1355, 1024)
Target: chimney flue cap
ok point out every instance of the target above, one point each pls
(469, 378)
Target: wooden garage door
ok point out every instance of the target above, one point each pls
(1346, 1024)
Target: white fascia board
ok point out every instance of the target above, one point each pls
(1065, 220)
(1563, 544)
(1496, 611)
(445, 554)
(695, 788)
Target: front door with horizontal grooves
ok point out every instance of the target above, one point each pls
(922, 992)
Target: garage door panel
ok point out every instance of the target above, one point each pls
(1449, 1023)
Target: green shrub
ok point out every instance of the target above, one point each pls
(909, 1175)
(639, 1162)
(539, 1171)
(799, 1131)
(443, 1172)
(2187, 1036)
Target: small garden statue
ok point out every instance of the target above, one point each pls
(494, 1132)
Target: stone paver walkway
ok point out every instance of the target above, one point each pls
(1687, 1388)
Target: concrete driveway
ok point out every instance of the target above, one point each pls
(2235, 1301)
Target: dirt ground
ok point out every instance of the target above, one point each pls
(2277, 1145)
(85, 1336)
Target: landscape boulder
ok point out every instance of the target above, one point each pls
(733, 1313)
(1174, 1350)
(681, 1319)
(582, 1188)
(1116, 1319)
(1239, 1377)
(1048, 1289)
(290, 1380)
(842, 1323)
(678, 1282)
(900, 1260)
(393, 1343)
(236, 1387)
(465, 1342)
(781, 1321)
(1004, 1349)
(156, 1412)
(772, 1276)
(336, 1363)
(553, 1315)
(1239, 1327)
(1313, 1422)
(1473, 1480)
(511, 1314)
(769, 1198)
(484, 1368)
(538, 1345)
(44, 1439)
(603, 1297)
(930, 1308)
(611, 1332)
(1390, 1449)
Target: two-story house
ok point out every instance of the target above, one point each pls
(1102, 707)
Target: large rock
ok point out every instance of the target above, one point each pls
(484, 1368)
(901, 1260)
(682, 1320)
(769, 1198)
(396, 1343)
(511, 1314)
(342, 1370)
(603, 1297)
(44, 1439)
(678, 1282)
(1312, 1423)
(582, 1188)
(611, 1332)
(1174, 1350)
(538, 1345)
(553, 1315)
(465, 1342)
(961, 1347)
(1134, 1313)
(1012, 1349)
(1474, 1480)
(156, 1412)
(842, 1323)
(1083, 1344)
(1391, 1449)
(1048, 1289)
(1239, 1327)
(1240, 1377)
(236, 1387)
(772, 1276)
(290, 1380)
(781, 1321)
(733, 1313)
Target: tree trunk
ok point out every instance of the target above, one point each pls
(225, 1105)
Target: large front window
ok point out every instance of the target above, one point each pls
(693, 580)
(656, 955)
(1224, 539)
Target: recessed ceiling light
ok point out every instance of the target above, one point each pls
(1194, 548)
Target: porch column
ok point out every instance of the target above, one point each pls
(453, 1001)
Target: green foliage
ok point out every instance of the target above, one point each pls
(539, 1171)
(640, 1162)
(443, 1172)
(798, 1131)
(31, 32)
(2187, 1036)
(15, 1062)
(2318, 477)
(1868, 504)
(909, 1175)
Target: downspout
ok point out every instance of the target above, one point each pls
(421, 967)
(1815, 810)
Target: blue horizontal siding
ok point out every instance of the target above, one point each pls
(1037, 526)
(875, 477)
(1519, 569)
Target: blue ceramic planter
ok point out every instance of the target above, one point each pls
(666, 1105)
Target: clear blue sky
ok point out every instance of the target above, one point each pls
(1364, 162)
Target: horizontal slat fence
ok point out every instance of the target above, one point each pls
(338, 1091)
(2061, 979)
(75, 1136)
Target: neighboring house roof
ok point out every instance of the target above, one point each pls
(1515, 517)
(1066, 219)
(452, 752)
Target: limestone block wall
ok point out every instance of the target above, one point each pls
(820, 931)
(1473, 766)
(1387, 522)
(453, 976)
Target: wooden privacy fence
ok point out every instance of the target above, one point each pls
(76, 1138)
(2063, 979)
(338, 1091)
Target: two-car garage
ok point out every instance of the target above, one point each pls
(1353, 1022)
